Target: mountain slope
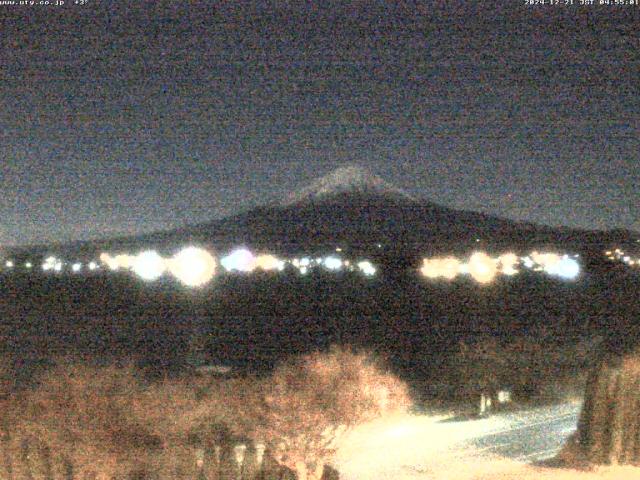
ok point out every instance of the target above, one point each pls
(351, 207)
(354, 209)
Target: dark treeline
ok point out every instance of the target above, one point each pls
(251, 322)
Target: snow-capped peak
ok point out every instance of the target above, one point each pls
(346, 179)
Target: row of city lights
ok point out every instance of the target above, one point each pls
(484, 268)
(195, 266)
(192, 266)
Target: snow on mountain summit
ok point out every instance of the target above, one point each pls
(347, 179)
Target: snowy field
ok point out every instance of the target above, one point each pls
(504, 446)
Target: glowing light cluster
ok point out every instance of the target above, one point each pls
(123, 261)
(484, 268)
(626, 258)
(567, 268)
(109, 261)
(480, 266)
(448, 268)
(192, 266)
(367, 268)
(562, 266)
(52, 263)
(148, 265)
(269, 262)
(332, 263)
(545, 261)
(508, 263)
(241, 260)
(305, 263)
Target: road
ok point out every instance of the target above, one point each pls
(531, 435)
(415, 446)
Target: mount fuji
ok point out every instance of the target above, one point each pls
(355, 209)
(363, 213)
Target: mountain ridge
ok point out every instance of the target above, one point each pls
(352, 206)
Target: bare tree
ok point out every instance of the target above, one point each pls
(310, 401)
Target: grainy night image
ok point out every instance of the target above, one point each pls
(319, 239)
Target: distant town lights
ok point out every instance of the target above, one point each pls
(192, 266)
(109, 261)
(269, 262)
(367, 268)
(241, 260)
(148, 265)
(482, 267)
(567, 268)
(507, 263)
(125, 261)
(447, 267)
(546, 261)
(52, 263)
(622, 256)
(332, 263)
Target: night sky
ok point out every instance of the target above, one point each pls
(124, 117)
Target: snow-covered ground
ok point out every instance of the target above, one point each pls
(415, 446)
